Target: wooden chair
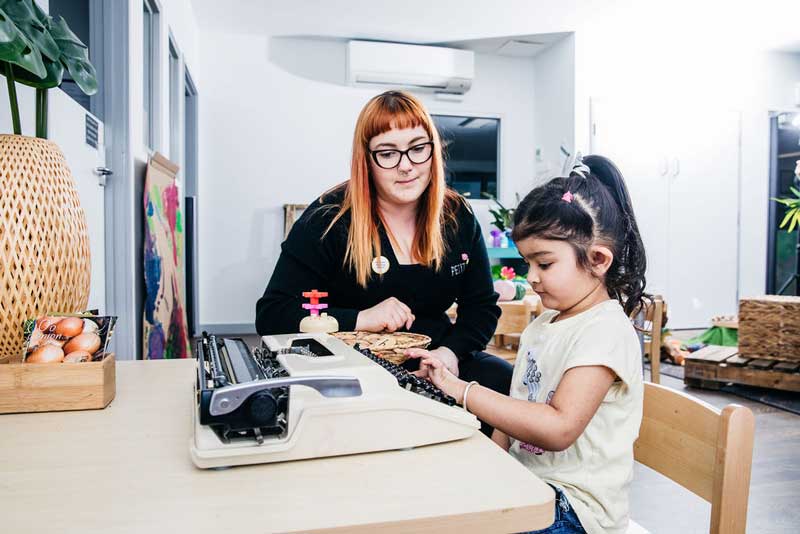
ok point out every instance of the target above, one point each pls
(515, 316)
(653, 318)
(705, 450)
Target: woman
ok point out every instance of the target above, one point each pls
(394, 248)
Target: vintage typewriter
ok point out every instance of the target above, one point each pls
(309, 396)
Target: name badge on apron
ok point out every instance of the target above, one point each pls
(380, 264)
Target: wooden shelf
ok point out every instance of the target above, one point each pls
(496, 253)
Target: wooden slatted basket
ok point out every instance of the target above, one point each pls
(389, 346)
(45, 263)
(769, 327)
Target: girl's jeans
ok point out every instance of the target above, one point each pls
(566, 521)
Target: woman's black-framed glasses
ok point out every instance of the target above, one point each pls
(389, 159)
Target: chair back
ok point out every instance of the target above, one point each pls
(651, 322)
(707, 451)
(516, 315)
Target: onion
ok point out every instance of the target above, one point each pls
(46, 354)
(69, 326)
(88, 341)
(77, 356)
(47, 324)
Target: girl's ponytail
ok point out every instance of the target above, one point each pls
(629, 279)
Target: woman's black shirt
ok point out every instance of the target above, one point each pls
(309, 261)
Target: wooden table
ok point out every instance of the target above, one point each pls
(127, 469)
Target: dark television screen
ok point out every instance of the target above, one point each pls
(471, 148)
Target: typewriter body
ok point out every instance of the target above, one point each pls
(308, 396)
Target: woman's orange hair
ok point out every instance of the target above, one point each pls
(437, 205)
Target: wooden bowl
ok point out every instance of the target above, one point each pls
(390, 346)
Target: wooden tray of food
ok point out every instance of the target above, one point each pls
(388, 345)
(52, 387)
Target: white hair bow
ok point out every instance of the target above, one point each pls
(574, 163)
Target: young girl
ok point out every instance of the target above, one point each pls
(576, 392)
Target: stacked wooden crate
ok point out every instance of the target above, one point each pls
(768, 354)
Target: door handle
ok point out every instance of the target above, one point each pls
(664, 168)
(677, 167)
(102, 174)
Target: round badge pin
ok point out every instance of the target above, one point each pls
(380, 264)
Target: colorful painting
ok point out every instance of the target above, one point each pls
(164, 327)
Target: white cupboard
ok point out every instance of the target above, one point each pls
(682, 169)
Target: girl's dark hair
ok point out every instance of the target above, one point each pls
(599, 212)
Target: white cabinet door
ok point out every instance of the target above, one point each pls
(67, 128)
(682, 170)
(624, 134)
(703, 217)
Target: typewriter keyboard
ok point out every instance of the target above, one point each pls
(409, 381)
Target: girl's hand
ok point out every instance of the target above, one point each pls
(437, 372)
(389, 315)
(443, 354)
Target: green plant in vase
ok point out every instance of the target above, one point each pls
(34, 50)
(503, 217)
(792, 220)
(792, 216)
(44, 240)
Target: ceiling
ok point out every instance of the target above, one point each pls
(487, 27)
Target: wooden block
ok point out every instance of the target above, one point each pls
(761, 364)
(52, 387)
(713, 354)
(737, 361)
(703, 384)
(703, 371)
(726, 321)
(786, 367)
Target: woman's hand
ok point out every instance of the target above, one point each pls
(389, 315)
(436, 371)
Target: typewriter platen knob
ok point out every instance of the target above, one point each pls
(262, 409)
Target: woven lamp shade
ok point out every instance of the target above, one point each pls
(44, 243)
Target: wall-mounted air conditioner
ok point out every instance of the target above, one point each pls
(446, 70)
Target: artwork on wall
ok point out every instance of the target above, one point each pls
(164, 326)
(291, 212)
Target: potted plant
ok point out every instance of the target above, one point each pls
(792, 216)
(503, 221)
(44, 242)
(792, 219)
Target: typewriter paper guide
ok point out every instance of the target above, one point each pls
(384, 417)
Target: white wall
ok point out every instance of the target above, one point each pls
(639, 58)
(554, 112)
(276, 127)
(645, 53)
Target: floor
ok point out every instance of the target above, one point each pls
(663, 507)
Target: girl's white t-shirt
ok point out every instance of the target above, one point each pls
(595, 472)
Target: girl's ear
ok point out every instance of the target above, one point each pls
(600, 258)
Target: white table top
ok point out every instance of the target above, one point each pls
(127, 469)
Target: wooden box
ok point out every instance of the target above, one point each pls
(51, 387)
(769, 327)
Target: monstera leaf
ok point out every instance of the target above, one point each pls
(34, 51)
(32, 21)
(75, 57)
(17, 49)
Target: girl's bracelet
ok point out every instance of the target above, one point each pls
(466, 390)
